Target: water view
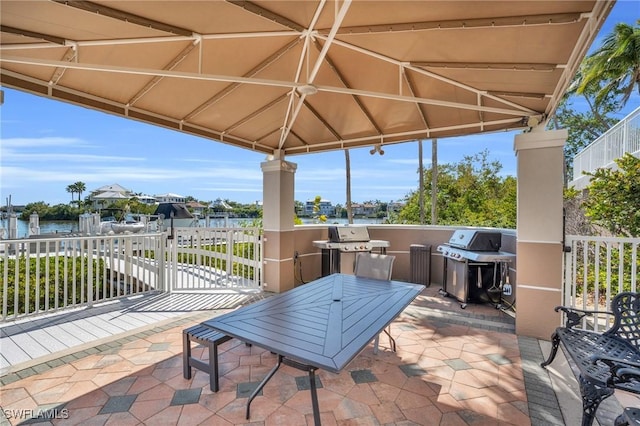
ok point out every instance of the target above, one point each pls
(69, 226)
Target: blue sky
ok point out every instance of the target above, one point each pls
(46, 145)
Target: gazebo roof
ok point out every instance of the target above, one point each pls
(291, 77)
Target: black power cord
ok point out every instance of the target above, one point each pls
(296, 259)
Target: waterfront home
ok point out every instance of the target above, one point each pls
(106, 195)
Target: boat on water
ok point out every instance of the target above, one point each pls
(128, 225)
(174, 215)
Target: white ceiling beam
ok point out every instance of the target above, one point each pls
(256, 81)
(316, 68)
(304, 58)
(422, 71)
(404, 136)
(145, 40)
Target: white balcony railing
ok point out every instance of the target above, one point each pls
(42, 275)
(621, 138)
(596, 269)
(205, 259)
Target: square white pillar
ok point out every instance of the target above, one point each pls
(278, 224)
(540, 161)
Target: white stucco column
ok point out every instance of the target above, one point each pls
(278, 177)
(540, 162)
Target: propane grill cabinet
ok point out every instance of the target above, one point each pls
(475, 268)
(338, 252)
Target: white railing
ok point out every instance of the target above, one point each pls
(596, 269)
(203, 259)
(623, 137)
(41, 275)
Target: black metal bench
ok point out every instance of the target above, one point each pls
(606, 361)
(209, 338)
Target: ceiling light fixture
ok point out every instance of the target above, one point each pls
(533, 121)
(378, 149)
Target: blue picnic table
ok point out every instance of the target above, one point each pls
(323, 324)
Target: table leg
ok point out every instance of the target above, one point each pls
(392, 341)
(314, 397)
(262, 383)
(312, 385)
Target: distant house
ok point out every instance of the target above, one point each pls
(195, 207)
(106, 195)
(219, 203)
(170, 198)
(325, 206)
(395, 206)
(146, 199)
(364, 209)
(113, 187)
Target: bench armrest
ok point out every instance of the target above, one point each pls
(622, 371)
(614, 362)
(574, 315)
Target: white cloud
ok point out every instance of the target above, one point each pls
(18, 176)
(12, 156)
(42, 142)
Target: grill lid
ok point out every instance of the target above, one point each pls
(470, 239)
(345, 234)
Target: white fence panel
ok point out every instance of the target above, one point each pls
(41, 275)
(597, 269)
(203, 259)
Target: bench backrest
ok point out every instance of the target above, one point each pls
(626, 309)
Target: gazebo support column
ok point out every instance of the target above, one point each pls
(278, 224)
(540, 162)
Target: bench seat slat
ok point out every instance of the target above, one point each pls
(210, 338)
(582, 345)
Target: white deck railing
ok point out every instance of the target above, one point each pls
(621, 138)
(596, 269)
(204, 259)
(42, 275)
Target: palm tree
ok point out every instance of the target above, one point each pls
(80, 188)
(615, 67)
(72, 190)
(348, 169)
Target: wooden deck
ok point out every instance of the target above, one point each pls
(53, 335)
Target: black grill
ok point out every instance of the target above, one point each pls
(475, 268)
(476, 240)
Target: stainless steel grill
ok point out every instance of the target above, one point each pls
(475, 266)
(342, 241)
